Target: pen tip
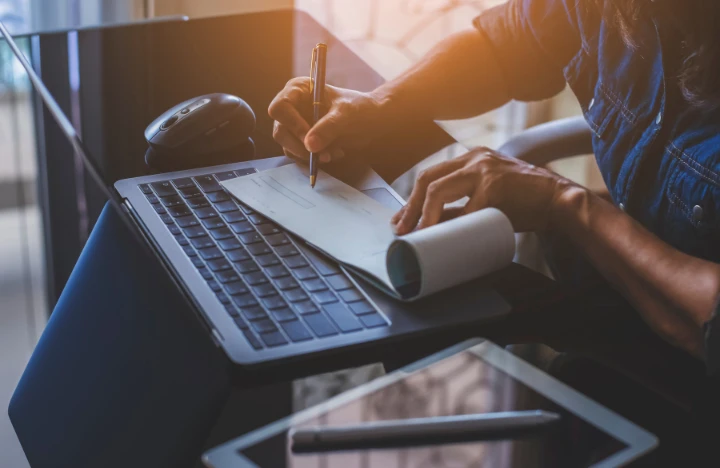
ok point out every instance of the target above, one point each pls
(312, 181)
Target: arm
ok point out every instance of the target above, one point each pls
(676, 293)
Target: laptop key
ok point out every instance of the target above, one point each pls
(305, 307)
(163, 189)
(373, 320)
(203, 242)
(167, 219)
(242, 227)
(208, 183)
(159, 209)
(277, 271)
(286, 283)
(361, 308)
(339, 282)
(226, 206)
(257, 218)
(351, 295)
(233, 216)
(265, 290)
(237, 255)
(197, 202)
(268, 229)
(222, 297)
(177, 211)
(263, 325)
(182, 241)
(274, 302)
(267, 260)
(189, 251)
(236, 287)
(244, 301)
(194, 231)
(277, 239)
(190, 192)
(232, 312)
(252, 339)
(227, 276)
(283, 315)
(172, 200)
(211, 253)
(246, 209)
(286, 250)
(222, 233)
(145, 188)
(248, 266)
(183, 182)
(225, 175)
(320, 325)
(205, 273)
(296, 295)
(273, 339)
(343, 318)
(296, 261)
(213, 223)
(187, 221)
(206, 212)
(325, 297)
(323, 265)
(246, 171)
(197, 262)
(259, 248)
(254, 279)
(240, 322)
(314, 285)
(152, 199)
(219, 264)
(296, 331)
(250, 238)
(254, 312)
(304, 273)
(174, 230)
(218, 196)
(229, 244)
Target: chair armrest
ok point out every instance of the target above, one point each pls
(551, 141)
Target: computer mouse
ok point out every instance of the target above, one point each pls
(201, 131)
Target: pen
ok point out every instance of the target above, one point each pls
(317, 80)
(422, 431)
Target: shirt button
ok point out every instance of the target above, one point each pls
(592, 103)
(622, 206)
(697, 213)
(659, 118)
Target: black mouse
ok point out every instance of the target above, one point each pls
(202, 131)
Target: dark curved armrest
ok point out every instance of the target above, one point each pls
(551, 141)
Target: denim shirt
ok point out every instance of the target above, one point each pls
(659, 157)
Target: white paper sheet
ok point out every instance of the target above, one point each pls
(355, 230)
(338, 219)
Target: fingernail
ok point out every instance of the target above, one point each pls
(393, 226)
(325, 158)
(312, 143)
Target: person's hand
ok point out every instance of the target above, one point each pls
(352, 119)
(525, 193)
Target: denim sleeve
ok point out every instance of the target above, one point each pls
(533, 41)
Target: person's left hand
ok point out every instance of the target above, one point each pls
(525, 193)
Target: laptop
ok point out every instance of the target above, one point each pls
(263, 294)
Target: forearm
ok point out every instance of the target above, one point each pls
(676, 293)
(458, 78)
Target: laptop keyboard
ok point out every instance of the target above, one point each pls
(275, 293)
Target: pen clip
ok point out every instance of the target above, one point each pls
(313, 65)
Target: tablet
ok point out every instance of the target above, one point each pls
(475, 376)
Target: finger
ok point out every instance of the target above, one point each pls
(452, 213)
(478, 201)
(397, 216)
(284, 109)
(413, 208)
(288, 141)
(450, 188)
(325, 131)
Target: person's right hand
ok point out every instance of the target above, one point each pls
(351, 120)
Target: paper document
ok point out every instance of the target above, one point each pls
(355, 230)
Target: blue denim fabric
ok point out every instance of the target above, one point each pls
(659, 157)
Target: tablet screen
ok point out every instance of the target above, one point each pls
(461, 384)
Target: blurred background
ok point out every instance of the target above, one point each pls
(388, 34)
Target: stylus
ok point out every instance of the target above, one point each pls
(422, 431)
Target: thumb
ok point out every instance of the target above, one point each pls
(324, 132)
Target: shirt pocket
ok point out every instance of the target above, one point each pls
(693, 216)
